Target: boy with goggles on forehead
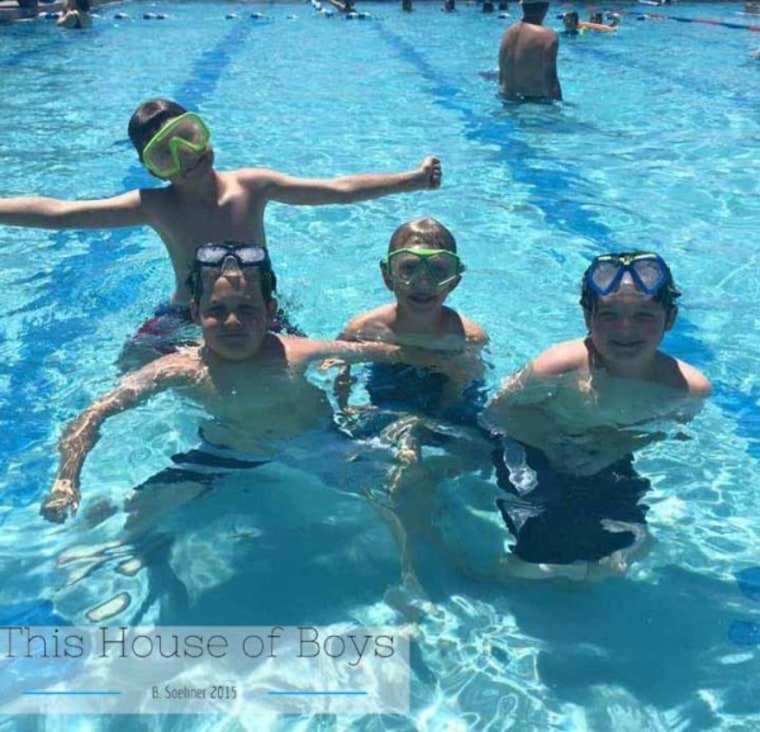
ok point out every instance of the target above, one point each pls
(201, 204)
(577, 414)
(242, 374)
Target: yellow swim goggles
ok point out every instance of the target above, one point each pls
(406, 266)
(186, 132)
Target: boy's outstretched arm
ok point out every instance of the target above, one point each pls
(348, 189)
(338, 353)
(81, 435)
(40, 212)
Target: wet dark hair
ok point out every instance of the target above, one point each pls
(666, 295)
(425, 231)
(535, 9)
(268, 278)
(83, 5)
(149, 118)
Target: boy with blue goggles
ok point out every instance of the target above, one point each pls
(647, 271)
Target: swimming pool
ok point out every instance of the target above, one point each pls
(656, 146)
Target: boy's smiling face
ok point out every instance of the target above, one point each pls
(627, 328)
(233, 314)
(421, 282)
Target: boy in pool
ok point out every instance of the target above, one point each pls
(242, 374)
(422, 269)
(201, 204)
(580, 410)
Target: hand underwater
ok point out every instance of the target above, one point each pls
(62, 497)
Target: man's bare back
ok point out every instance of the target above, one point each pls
(528, 59)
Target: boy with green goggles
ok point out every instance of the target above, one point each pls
(408, 266)
(421, 269)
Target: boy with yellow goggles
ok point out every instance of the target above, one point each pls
(407, 266)
(209, 205)
(161, 155)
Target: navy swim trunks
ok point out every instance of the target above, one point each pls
(557, 517)
(406, 388)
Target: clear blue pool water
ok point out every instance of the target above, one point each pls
(656, 147)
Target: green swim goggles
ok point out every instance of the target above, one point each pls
(186, 132)
(406, 266)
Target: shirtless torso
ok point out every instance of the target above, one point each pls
(528, 63)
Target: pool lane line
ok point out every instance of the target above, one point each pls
(42, 337)
(704, 21)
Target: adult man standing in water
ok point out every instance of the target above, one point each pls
(528, 58)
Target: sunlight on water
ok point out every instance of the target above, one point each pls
(655, 147)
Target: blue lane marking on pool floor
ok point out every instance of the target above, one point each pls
(702, 85)
(547, 186)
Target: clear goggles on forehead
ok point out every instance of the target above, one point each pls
(186, 132)
(244, 255)
(409, 265)
(648, 272)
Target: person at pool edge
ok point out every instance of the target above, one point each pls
(241, 374)
(528, 58)
(75, 14)
(579, 411)
(201, 204)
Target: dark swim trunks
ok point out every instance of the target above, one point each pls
(506, 101)
(556, 517)
(401, 387)
(203, 465)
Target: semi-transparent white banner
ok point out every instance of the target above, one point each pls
(203, 670)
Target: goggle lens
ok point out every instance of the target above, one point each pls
(161, 154)
(246, 255)
(408, 265)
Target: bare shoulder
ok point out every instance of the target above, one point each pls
(151, 200)
(510, 33)
(369, 324)
(473, 333)
(184, 367)
(253, 177)
(561, 358)
(696, 382)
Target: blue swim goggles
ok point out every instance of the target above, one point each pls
(648, 272)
